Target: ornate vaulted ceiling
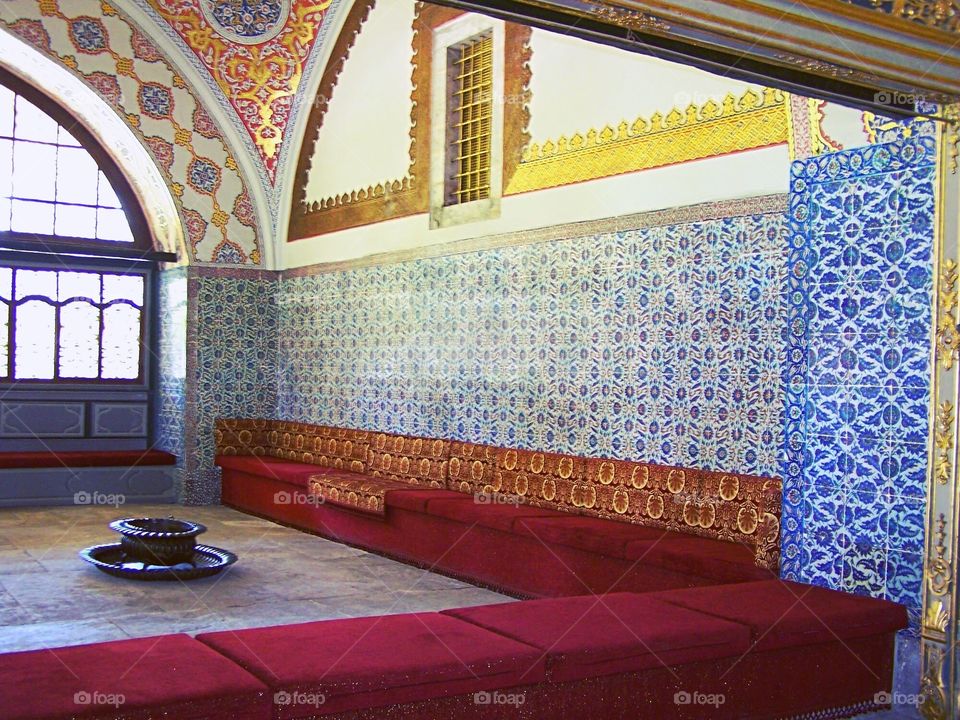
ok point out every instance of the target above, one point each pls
(255, 53)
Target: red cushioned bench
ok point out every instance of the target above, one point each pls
(554, 525)
(78, 459)
(792, 650)
(172, 676)
(337, 666)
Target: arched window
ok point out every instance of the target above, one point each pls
(75, 256)
(76, 285)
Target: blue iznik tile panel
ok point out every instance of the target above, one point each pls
(171, 364)
(663, 344)
(233, 366)
(860, 287)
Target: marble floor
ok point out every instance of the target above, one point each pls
(49, 597)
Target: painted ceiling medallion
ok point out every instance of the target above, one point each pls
(256, 52)
(246, 21)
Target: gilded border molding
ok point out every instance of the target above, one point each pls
(627, 17)
(947, 335)
(751, 121)
(939, 14)
(943, 440)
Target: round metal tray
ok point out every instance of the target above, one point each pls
(111, 559)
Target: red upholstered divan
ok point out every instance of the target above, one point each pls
(621, 655)
(172, 676)
(85, 458)
(334, 666)
(527, 523)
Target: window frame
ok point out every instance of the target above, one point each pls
(142, 245)
(88, 264)
(445, 39)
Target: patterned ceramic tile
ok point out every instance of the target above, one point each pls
(231, 364)
(663, 344)
(172, 364)
(859, 291)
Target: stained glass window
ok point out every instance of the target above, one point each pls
(49, 183)
(71, 325)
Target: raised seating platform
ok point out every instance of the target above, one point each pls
(76, 477)
(658, 586)
(568, 525)
(790, 650)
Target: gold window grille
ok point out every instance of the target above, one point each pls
(471, 73)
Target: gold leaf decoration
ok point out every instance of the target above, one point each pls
(948, 337)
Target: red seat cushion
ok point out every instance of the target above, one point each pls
(594, 635)
(500, 516)
(781, 613)
(606, 537)
(727, 562)
(296, 473)
(377, 661)
(415, 498)
(172, 676)
(77, 458)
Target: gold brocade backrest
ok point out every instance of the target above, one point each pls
(339, 448)
(472, 468)
(719, 505)
(242, 437)
(416, 460)
(542, 479)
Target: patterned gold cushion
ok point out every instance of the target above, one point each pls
(473, 468)
(718, 505)
(417, 460)
(353, 490)
(242, 437)
(320, 445)
(544, 479)
(299, 442)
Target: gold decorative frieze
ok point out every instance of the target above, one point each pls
(943, 439)
(951, 133)
(936, 617)
(627, 17)
(940, 571)
(948, 336)
(932, 691)
(939, 14)
(754, 120)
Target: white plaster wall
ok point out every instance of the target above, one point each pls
(844, 125)
(365, 137)
(741, 175)
(578, 85)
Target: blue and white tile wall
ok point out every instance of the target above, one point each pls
(860, 286)
(664, 344)
(232, 359)
(171, 365)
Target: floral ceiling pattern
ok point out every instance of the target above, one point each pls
(256, 51)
